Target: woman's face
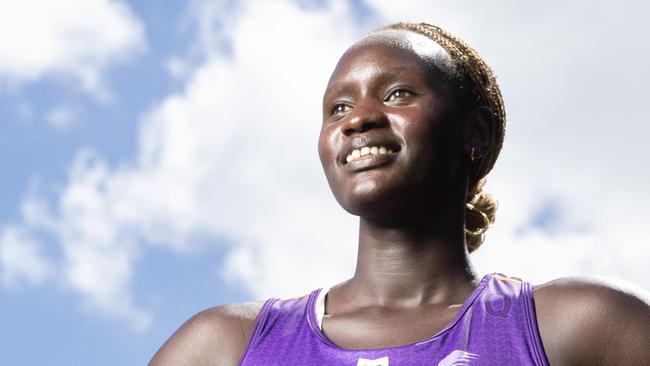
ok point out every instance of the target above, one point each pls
(391, 136)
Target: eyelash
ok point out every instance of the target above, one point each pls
(396, 92)
(336, 106)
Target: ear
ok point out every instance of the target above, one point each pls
(479, 131)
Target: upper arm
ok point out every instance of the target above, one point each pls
(213, 337)
(584, 321)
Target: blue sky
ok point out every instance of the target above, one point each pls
(160, 159)
(49, 323)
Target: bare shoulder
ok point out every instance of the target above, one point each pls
(213, 337)
(592, 321)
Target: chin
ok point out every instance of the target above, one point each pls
(371, 202)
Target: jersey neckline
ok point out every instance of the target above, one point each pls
(312, 322)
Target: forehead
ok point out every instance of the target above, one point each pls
(395, 50)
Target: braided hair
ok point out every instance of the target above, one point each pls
(478, 87)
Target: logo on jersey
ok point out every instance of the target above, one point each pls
(458, 358)
(378, 362)
(498, 305)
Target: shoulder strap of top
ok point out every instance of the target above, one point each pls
(533, 330)
(505, 293)
(258, 327)
(276, 314)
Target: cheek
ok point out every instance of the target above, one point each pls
(327, 154)
(321, 151)
(324, 148)
(433, 148)
(328, 147)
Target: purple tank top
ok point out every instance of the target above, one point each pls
(495, 326)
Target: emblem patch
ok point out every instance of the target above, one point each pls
(378, 362)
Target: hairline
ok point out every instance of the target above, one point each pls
(441, 70)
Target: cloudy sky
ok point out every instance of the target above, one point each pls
(161, 159)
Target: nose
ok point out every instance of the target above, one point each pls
(362, 118)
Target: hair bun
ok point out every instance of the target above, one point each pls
(480, 211)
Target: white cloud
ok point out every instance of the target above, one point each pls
(98, 255)
(207, 150)
(178, 68)
(574, 93)
(203, 169)
(21, 258)
(233, 155)
(61, 117)
(560, 127)
(70, 37)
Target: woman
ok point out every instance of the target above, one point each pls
(412, 122)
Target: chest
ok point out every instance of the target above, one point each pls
(494, 326)
(374, 328)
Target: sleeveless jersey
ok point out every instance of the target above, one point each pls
(495, 326)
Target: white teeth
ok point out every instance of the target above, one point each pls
(367, 150)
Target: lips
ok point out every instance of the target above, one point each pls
(370, 162)
(367, 141)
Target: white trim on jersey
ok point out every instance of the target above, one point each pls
(320, 307)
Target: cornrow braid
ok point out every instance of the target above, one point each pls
(478, 88)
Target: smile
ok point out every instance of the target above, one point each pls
(367, 151)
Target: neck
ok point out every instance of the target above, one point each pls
(419, 260)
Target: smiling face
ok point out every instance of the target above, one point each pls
(391, 136)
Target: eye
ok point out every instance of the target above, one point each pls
(397, 94)
(340, 108)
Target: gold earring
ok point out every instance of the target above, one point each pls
(471, 155)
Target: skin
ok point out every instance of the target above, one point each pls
(413, 270)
